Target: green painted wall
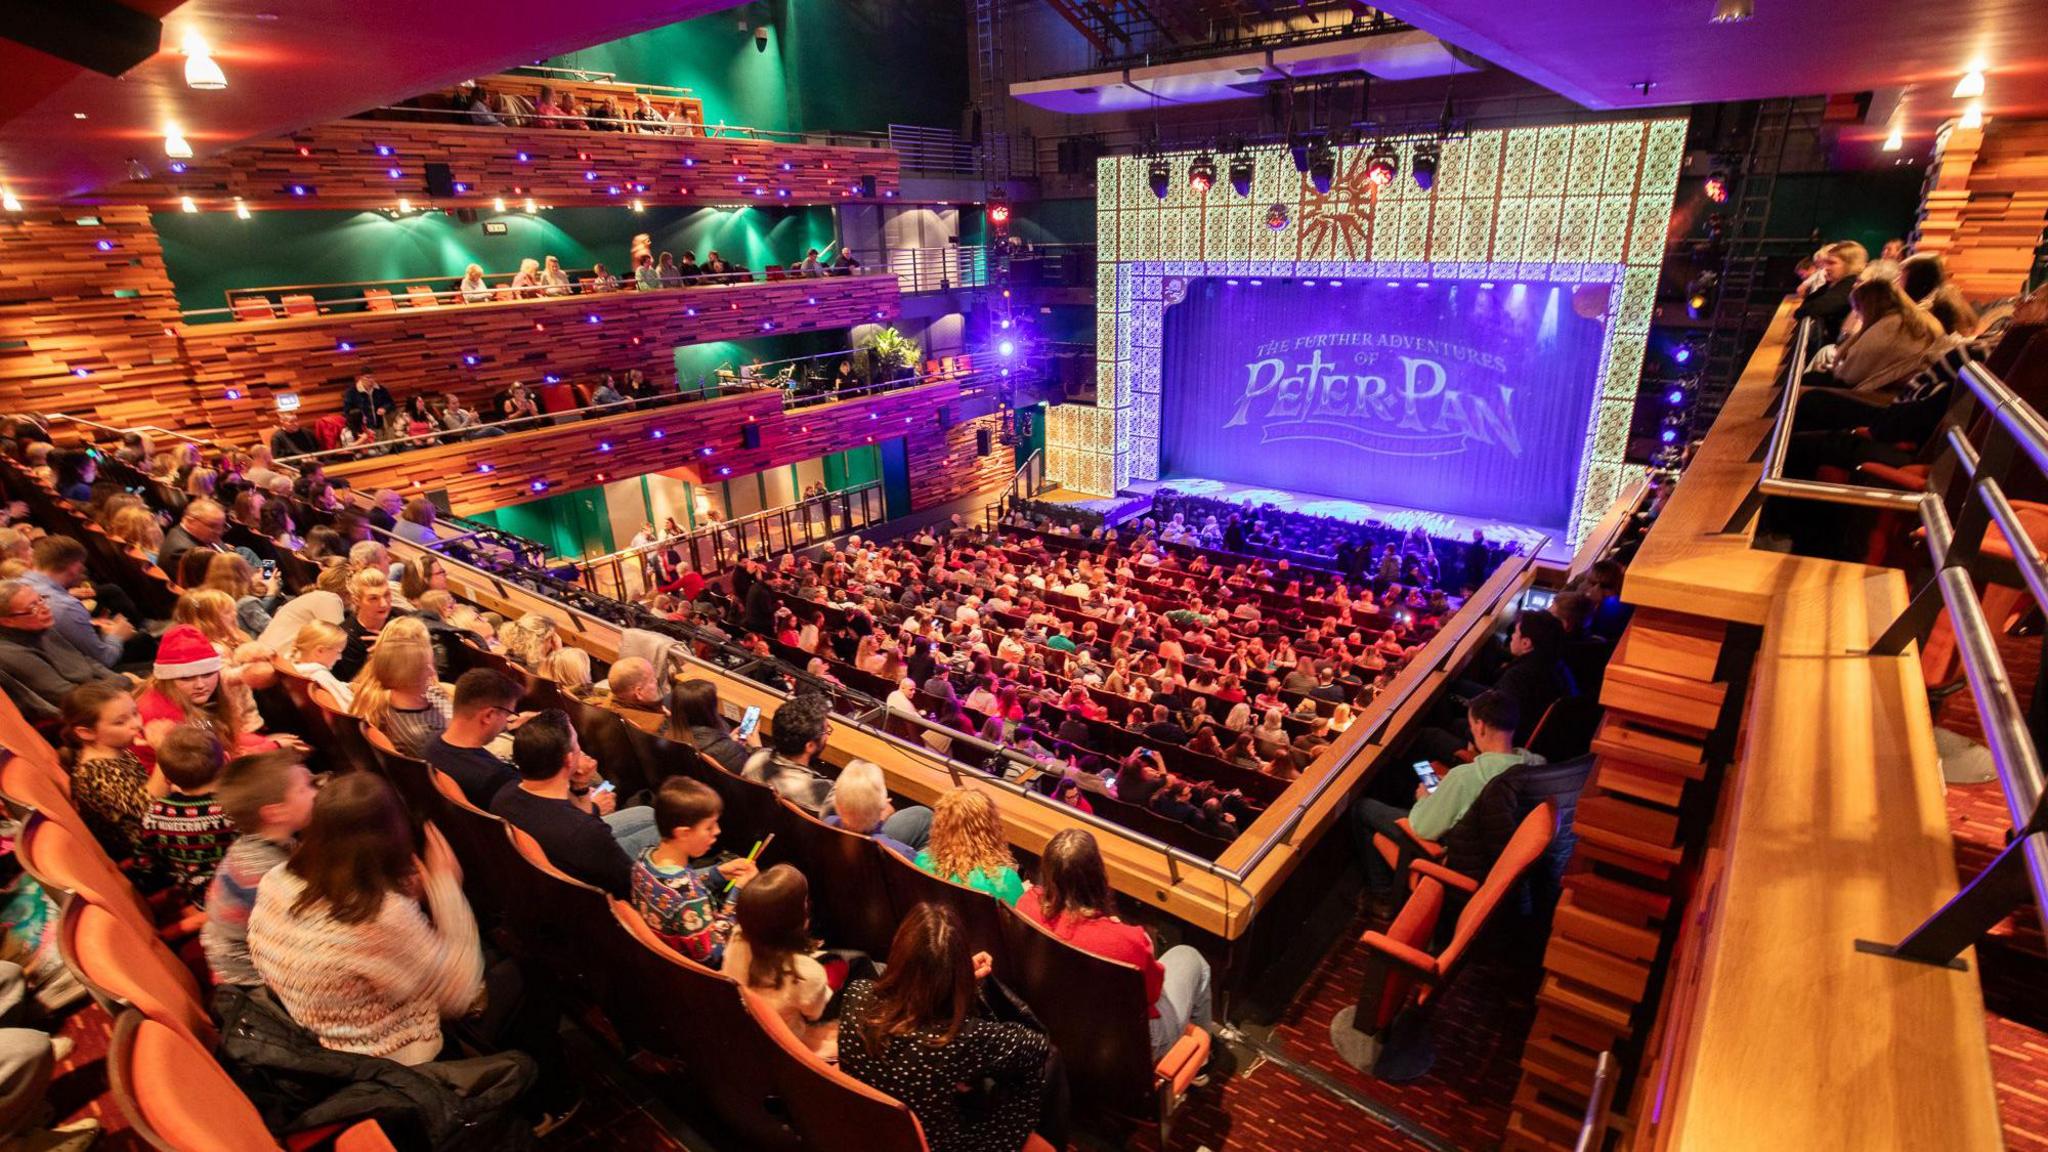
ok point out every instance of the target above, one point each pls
(697, 362)
(573, 524)
(1067, 221)
(845, 65)
(209, 253)
(852, 468)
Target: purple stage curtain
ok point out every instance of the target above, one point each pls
(1446, 396)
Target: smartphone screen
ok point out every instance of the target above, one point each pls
(1426, 772)
(749, 722)
(269, 569)
(604, 786)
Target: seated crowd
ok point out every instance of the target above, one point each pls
(326, 900)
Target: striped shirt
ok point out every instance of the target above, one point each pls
(228, 902)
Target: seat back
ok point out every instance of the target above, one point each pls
(980, 914)
(379, 300)
(412, 777)
(122, 966)
(1567, 727)
(254, 308)
(700, 1020)
(309, 718)
(849, 904)
(421, 296)
(483, 845)
(67, 859)
(27, 784)
(176, 1094)
(568, 927)
(350, 746)
(832, 1111)
(1527, 846)
(1095, 1009)
(602, 733)
(300, 304)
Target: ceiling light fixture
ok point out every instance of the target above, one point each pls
(175, 144)
(1158, 177)
(1423, 164)
(201, 70)
(1970, 86)
(1733, 11)
(1382, 165)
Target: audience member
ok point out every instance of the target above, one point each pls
(558, 802)
(485, 707)
(860, 803)
(795, 740)
(967, 846)
(769, 953)
(184, 831)
(268, 797)
(110, 785)
(689, 908)
(694, 718)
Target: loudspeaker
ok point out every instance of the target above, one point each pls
(867, 187)
(440, 179)
(945, 417)
(750, 435)
(984, 442)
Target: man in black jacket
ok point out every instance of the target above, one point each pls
(39, 666)
(1841, 263)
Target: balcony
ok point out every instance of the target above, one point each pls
(372, 163)
(476, 350)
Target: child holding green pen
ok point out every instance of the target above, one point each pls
(689, 908)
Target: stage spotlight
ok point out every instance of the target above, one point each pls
(1241, 173)
(1699, 294)
(1682, 354)
(1298, 148)
(1202, 173)
(1382, 164)
(1427, 155)
(1716, 186)
(1006, 348)
(1322, 166)
(1157, 176)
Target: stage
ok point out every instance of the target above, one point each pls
(1555, 548)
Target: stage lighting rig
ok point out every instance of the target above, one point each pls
(1382, 164)
(1202, 173)
(1241, 173)
(1158, 177)
(1298, 147)
(1699, 295)
(1716, 186)
(1322, 165)
(1428, 154)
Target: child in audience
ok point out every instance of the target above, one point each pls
(770, 953)
(185, 832)
(268, 797)
(689, 908)
(110, 786)
(312, 654)
(967, 846)
(396, 692)
(185, 688)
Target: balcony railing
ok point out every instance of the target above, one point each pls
(462, 117)
(630, 573)
(915, 269)
(932, 149)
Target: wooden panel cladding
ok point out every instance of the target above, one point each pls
(476, 350)
(1986, 204)
(1614, 922)
(87, 316)
(349, 164)
(701, 441)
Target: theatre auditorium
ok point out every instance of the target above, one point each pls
(1023, 576)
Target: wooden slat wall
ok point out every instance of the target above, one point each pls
(943, 463)
(340, 167)
(1615, 921)
(66, 306)
(423, 350)
(1986, 204)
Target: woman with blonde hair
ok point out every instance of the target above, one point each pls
(137, 528)
(529, 640)
(200, 482)
(474, 289)
(526, 282)
(396, 692)
(967, 846)
(570, 668)
(1895, 340)
(255, 598)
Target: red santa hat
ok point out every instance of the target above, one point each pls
(184, 652)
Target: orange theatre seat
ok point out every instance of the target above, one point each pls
(254, 308)
(379, 300)
(421, 296)
(1386, 1032)
(300, 304)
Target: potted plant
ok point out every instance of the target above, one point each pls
(893, 354)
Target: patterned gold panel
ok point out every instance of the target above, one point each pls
(1575, 229)
(1588, 159)
(1539, 231)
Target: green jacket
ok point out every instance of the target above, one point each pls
(1440, 811)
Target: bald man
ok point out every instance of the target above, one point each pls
(634, 685)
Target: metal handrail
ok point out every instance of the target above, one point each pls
(722, 525)
(1773, 481)
(138, 428)
(1506, 583)
(682, 130)
(840, 505)
(712, 390)
(1593, 1124)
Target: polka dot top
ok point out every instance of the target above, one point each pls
(934, 1079)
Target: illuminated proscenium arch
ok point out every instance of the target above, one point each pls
(1579, 203)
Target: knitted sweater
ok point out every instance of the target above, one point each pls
(229, 901)
(378, 988)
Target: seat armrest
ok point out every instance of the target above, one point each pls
(1434, 849)
(1910, 478)
(1422, 962)
(1445, 876)
(1183, 1062)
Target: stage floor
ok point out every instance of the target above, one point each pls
(1553, 540)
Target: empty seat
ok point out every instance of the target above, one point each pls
(124, 967)
(379, 300)
(421, 296)
(299, 304)
(253, 308)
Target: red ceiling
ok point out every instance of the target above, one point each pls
(1597, 51)
(289, 63)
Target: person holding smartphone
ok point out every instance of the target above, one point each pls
(1493, 717)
